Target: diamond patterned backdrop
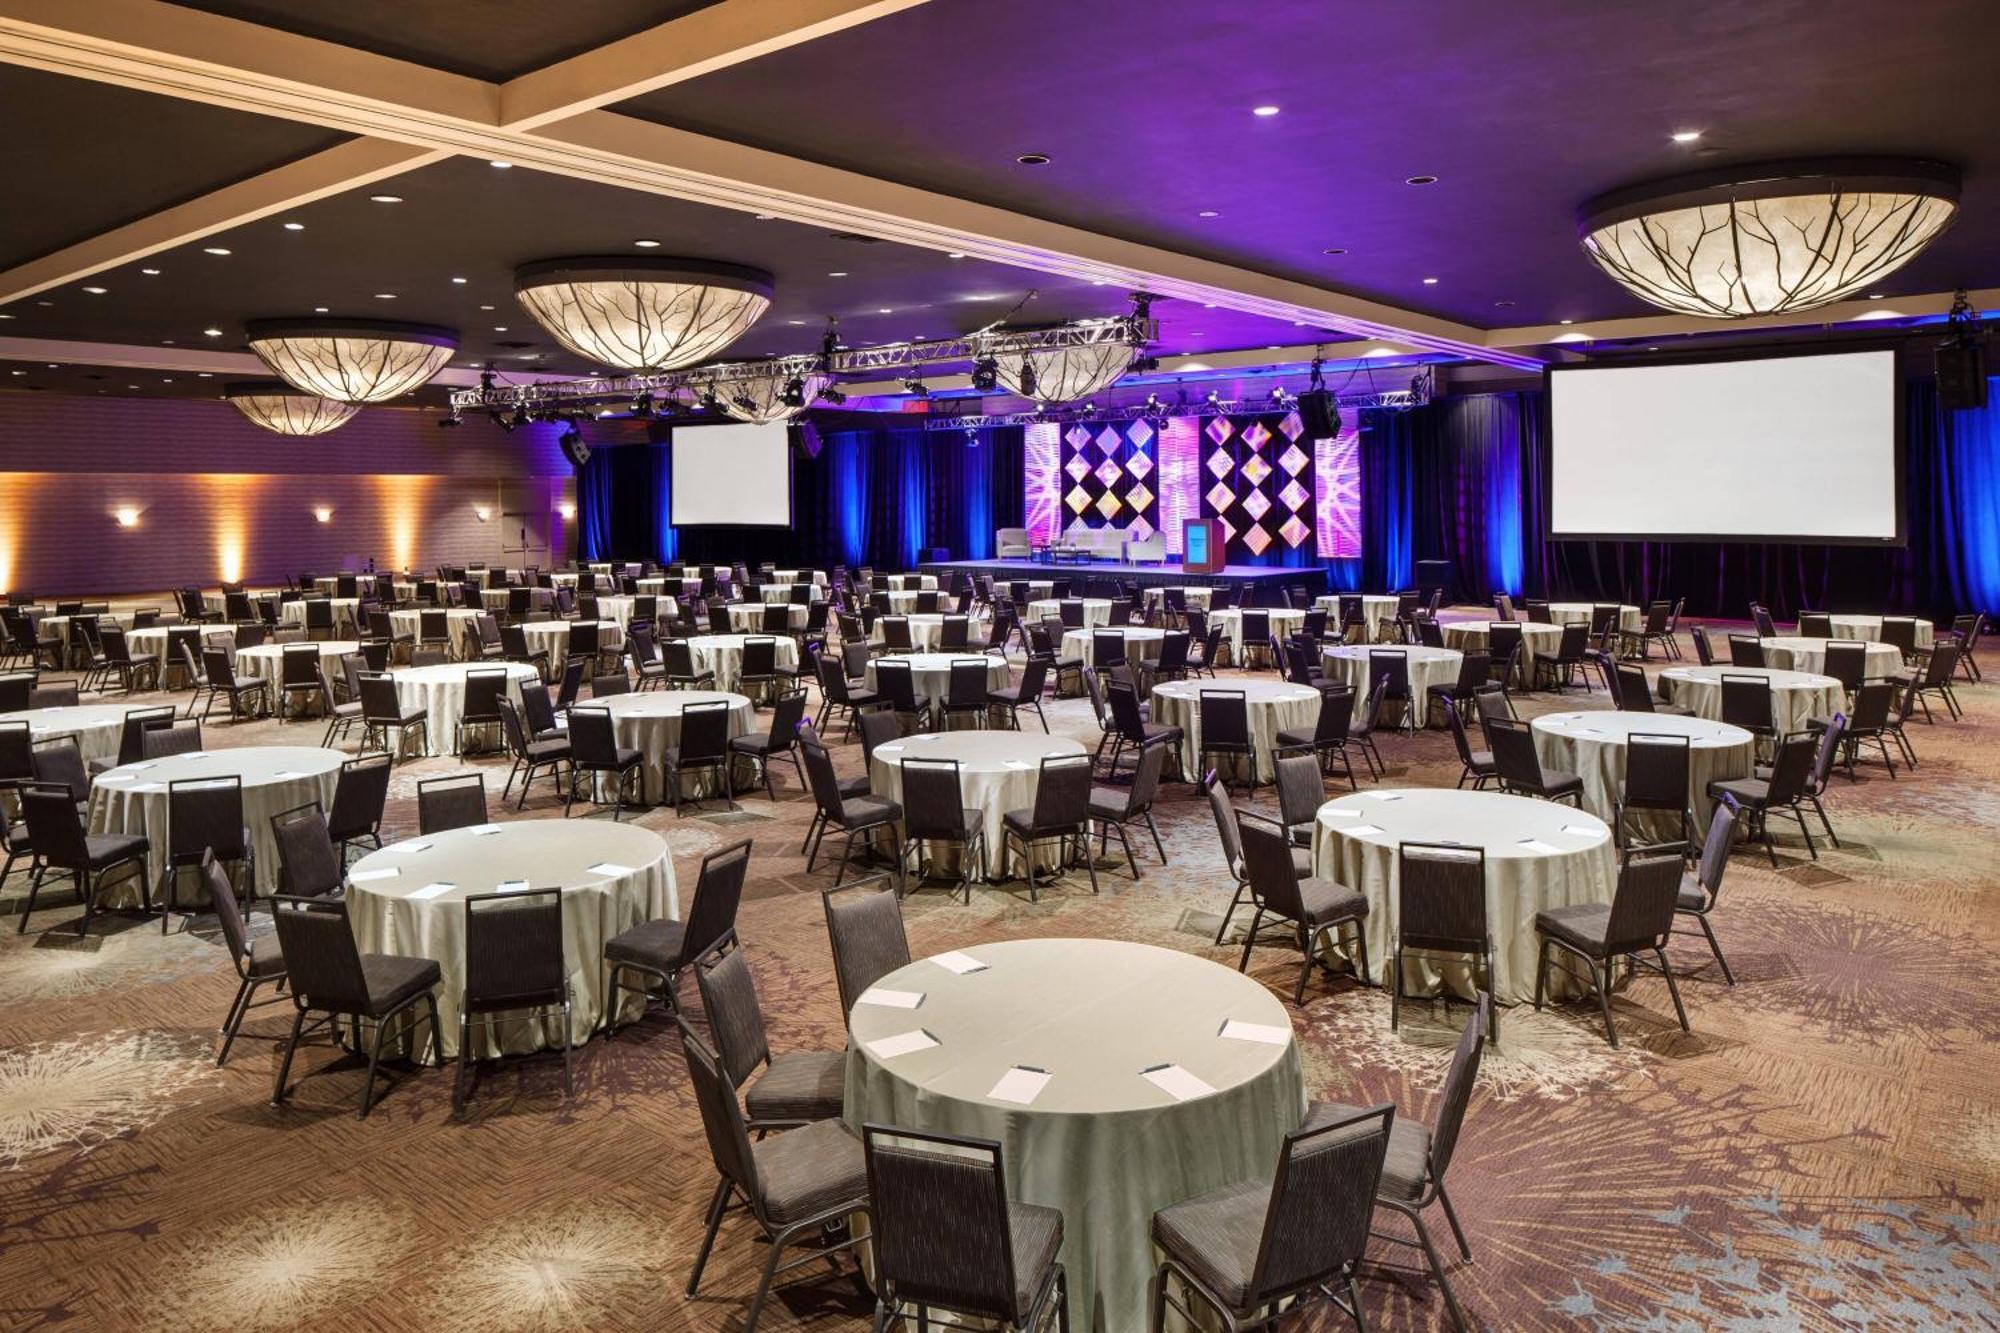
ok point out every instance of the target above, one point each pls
(1107, 476)
(1261, 487)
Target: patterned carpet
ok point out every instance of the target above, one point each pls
(1822, 1153)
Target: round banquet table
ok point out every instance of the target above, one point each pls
(152, 642)
(926, 628)
(930, 673)
(495, 599)
(1870, 628)
(552, 637)
(440, 692)
(458, 624)
(907, 582)
(1096, 610)
(1539, 855)
(650, 721)
(133, 799)
(613, 876)
(1101, 1142)
(1578, 613)
(1141, 644)
(1593, 746)
(1378, 610)
(294, 612)
(1282, 622)
(1793, 654)
(1195, 599)
(723, 654)
(998, 771)
(616, 607)
(562, 579)
(1795, 695)
(1273, 706)
(900, 603)
(98, 728)
(1474, 636)
(266, 662)
(1428, 667)
(748, 617)
(782, 592)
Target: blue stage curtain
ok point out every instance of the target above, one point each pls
(1389, 445)
(1469, 466)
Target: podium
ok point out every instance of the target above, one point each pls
(1201, 546)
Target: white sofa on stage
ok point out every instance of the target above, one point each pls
(1106, 543)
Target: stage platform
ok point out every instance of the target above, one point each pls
(1147, 575)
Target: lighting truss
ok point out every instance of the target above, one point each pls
(1391, 400)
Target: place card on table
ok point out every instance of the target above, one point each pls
(483, 830)
(1176, 1082)
(1269, 1034)
(609, 868)
(511, 886)
(1019, 763)
(1537, 845)
(437, 890)
(891, 999)
(406, 848)
(959, 963)
(1020, 1085)
(284, 773)
(1383, 795)
(369, 876)
(1338, 812)
(1363, 830)
(1579, 830)
(903, 1043)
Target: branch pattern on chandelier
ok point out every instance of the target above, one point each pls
(280, 408)
(1768, 240)
(643, 314)
(1065, 374)
(351, 360)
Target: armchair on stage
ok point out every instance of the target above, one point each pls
(1012, 544)
(1086, 542)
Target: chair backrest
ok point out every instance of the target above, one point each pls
(1301, 791)
(17, 757)
(228, 914)
(1107, 648)
(1828, 751)
(718, 891)
(1900, 632)
(721, 1117)
(1815, 625)
(1846, 660)
(359, 795)
(1267, 865)
(1746, 702)
(705, 731)
(1322, 1198)
(322, 963)
(308, 862)
(1791, 767)
(1642, 908)
(1716, 847)
(54, 827)
(1062, 792)
(1391, 665)
(1226, 829)
(1224, 717)
(864, 924)
(514, 948)
(1459, 1080)
(966, 682)
(1704, 651)
(1441, 896)
(159, 741)
(933, 799)
(131, 734)
(1513, 745)
(1746, 650)
(58, 760)
(457, 800)
(1872, 702)
(938, 1208)
(1943, 664)
(735, 1016)
(1635, 692)
(205, 814)
(1657, 771)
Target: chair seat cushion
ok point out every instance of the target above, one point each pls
(1747, 791)
(1022, 822)
(811, 1170)
(1216, 1235)
(1303, 739)
(543, 751)
(1408, 1157)
(851, 788)
(105, 848)
(1108, 802)
(392, 979)
(1692, 897)
(1583, 925)
(266, 958)
(799, 1085)
(868, 811)
(862, 697)
(1330, 900)
(751, 742)
(653, 944)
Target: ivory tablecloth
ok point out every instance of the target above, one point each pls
(930, 673)
(723, 654)
(1272, 705)
(1141, 644)
(748, 617)
(1428, 667)
(1593, 746)
(552, 637)
(998, 771)
(1476, 636)
(926, 629)
(266, 662)
(294, 612)
(1282, 622)
(1377, 609)
(459, 623)
(440, 692)
(1870, 628)
(1578, 613)
(650, 722)
(1795, 695)
(1794, 654)
(98, 728)
(1096, 610)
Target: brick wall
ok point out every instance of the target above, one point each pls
(215, 497)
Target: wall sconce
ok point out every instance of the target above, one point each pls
(481, 512)
(322, 514)
(127, 516)
(568, 511)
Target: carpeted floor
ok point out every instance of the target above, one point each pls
(1822, 1153)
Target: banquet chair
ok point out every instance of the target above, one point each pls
(566, 696)
(1172, 663)
(1520, 767)
(864, 928)
(482, 640)
(1472, 673)
(299, 675)
(660, 950)
(1701, 888)
(342, 716)
(360, 794)
(1023, 693)
(948, 1240)
(1655, 629)
(703, 745)
(1130, 727)
(1604, 631)
(1966, 631)
(1116, 808)
(1538, 611)
(1831, 734)
(954, 633)
(1900, 633)
(1316, 908)
(851, 815)
(514, 644)
(1746, 703)
(837, 697)
(877, 728)
(205, 825)
(258, 962)
(682, 672)
(782, 739)
(1419, 1156)
(514, 951)
(793, 1089)
(330, 976)
(1329, 737)
(1658, 773)
(1107, 648)
(309, 863)
(1389, 681)
(59, 760)
(1441, 909)
(1299, 655)
(1229, 833)
(603, 687)
(161, 742)
(1767, 628)
(319, 618)
(1746, 650)
(1704, 651)
(118, 662)
(131, 732)
(1224, 719)
(383, 714)
(1934, 677)
(594, 750)
(1564, 667)
(1633, 692)
(896, 681)
(60, 844)
(1300, 795)
(1784, 788)
(1042, 643)
(1060, 814)
(1637, 922)
(1869, 721)
(1478, 765)
(1361, 729)
(484, 689)
(1256, 638)
(1209, 637)
(797, 1186)
(457, 800)
(1430, 634)
(1504, 647)
(966, 691)
(1815, 625)
(934, 811)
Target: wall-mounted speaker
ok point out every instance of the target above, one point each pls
(1319, 413)
(573, 447)
(1961, 376)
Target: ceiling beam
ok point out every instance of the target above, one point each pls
(732, 32)
(196, 360)
(1888, 310)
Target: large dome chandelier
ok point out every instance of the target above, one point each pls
(643, 313)
(351, 360)
(1065, 374)
(770, 397)
(1770, 238)
(277, 406)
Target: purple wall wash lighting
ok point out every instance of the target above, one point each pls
(1041, 480)
(1337, 478)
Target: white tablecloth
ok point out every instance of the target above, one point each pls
(817, 576)
(1428, 667)
(723, 654)
(900, 603)
(294, 613)
(907, 582)
(650, 721)
(1377, 609)
(133, 799)
(440, 692)
(1101, 1142)
(552, 637)
(1096, 610)
(1354, 842)
(618, 608)
(1141, 644)
(1795, 695)
(613, 877)
(495, 599)
(460, 623)
(748, 617)
(927, 628)
(1793, 654)
(782, 592)
(1282, 623)
(265, 662)
(1578, 613)
(930, 673)
(1476, 636)
(998, 771)
(98, 728)
(1870, 628)
(1593, 746)
(1273, 706)
(1195, 599)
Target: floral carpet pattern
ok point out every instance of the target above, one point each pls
(1821, 1153)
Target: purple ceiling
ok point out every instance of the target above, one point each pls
(1522, 112)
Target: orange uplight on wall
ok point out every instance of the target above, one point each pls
(14, 513)
(481, 512)
(567, 510)
(400, 497)
(231, 499)
(127, 516)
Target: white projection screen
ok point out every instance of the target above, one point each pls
(1753, 449)
(740, 476)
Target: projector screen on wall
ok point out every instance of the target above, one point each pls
(735, 475)
(1757, 449)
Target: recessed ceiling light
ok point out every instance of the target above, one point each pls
(459, 281)
(762, 217)
(1503, 305)
(486, 307)
(1876, 296)
(794, 321)
(1208, 213)
(1266, 110)
(499, 328)
(97, 291)
(1334, 250)
(955, 254)
(1420, 180)
(1430, 282)
(1208, 305)
(166, 379)
(205, 375)
(496, 162)
(1033, 159)
(645, 243)
(1569, 321)
(385, 198)
(1652, 349)
(837, 273)
(295, 226)
(1100, 282)
(166, 342)
(23, 372)
(1686, 136)
(215, 249)
(211, 333)
(150, 272)
(319, 310)
(6, 317)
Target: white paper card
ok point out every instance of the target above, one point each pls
(609, 868)
(1018, 763)
(138, 768)
(1176, 1082)
(483, 830)
(1383, 795)
(511, 886)
(433, 890)
(903, 1043)
(1270, 1034)
(960, 963)
(405, 848)
(1020, 1085)
(1537, 845)
(287, 773)
(368, 876)
(1335, 812)
(1579, 830)
(891, 999)
(1362, 830)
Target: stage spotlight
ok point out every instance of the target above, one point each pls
(915, 385)
(986, 374)
(794, 394)
(832, 395)
(709, 401)
(642, 406)
(1027, 378)
(501, 420)
(523, 417)
(745, 401)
